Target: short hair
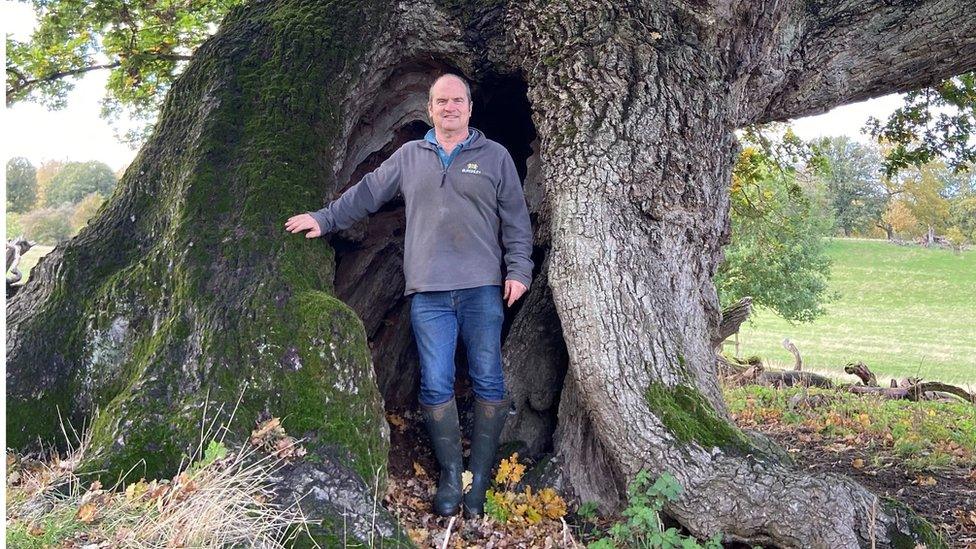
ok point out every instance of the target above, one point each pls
(430, 90)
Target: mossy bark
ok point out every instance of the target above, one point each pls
(185, 294)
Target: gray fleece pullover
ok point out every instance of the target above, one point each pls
(459, 218)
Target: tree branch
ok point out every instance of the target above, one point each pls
(816, 54)
(25, 83)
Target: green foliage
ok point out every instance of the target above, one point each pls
(851, 173)
(924, 189)
(215, 451)
(962, 205)
(21, 185)
(52, 530)
(77, 180)
(48, 225)
(144, 44)
(642, 527)
(777, 254)
(587, 510)
(85, 210)
(902, 310)
(13, 225)
(933, 123)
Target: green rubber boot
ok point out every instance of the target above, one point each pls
(489, 418)
(445, 436)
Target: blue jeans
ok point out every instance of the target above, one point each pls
(437, 318)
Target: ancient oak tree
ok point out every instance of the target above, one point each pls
(621, 116)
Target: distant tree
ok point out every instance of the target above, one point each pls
(45, 173)
(937, 122)
(77, 180)
(955, 237)
(962, 215)
(13, 226)
(778, 250)
(142, 43)
(852, 175)
(925, 189)
(21, 184)
(900, 219)
(48, 225)
(85, 210)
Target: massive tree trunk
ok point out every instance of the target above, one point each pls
(620, 115)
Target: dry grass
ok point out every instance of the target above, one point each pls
(219, 499)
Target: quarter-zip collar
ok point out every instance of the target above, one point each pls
(473, 141)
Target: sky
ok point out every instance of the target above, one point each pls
(79, 133)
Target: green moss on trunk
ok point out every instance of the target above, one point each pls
(186, 292)
(691, 419)
(922, 533)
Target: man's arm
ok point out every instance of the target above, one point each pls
(373, 190)
(515, 225)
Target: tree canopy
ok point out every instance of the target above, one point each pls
(77, 180)
(936, 122)
(21, 184)
(144, 44)
(778, 253)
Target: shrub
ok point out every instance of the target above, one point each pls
(48, 225)
(643, 527)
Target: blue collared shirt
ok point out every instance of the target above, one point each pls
(446, 158)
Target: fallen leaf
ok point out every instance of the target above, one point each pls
(926, 481)
(397, 422)
(858, 463)
(263, 430)
(87, 513)
(466, 479)
(418, 470)
(35, 530)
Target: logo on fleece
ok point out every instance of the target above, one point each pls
(471, 168)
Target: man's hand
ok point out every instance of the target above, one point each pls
(513, 291)
(304, 222)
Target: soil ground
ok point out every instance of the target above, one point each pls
(946, 497)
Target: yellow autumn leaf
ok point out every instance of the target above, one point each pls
(419, 471)
(87, 513)
(136, 490)
(397, 422)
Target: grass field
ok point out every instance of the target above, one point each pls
(902, 310)
(31, 258)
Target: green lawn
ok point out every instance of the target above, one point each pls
(31, 258)
(902, 310)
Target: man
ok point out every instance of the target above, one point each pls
(461, 192)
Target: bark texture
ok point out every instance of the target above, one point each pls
(620, 115)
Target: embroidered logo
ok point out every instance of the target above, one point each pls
(471, 168)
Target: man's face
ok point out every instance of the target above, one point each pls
(449, 108)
